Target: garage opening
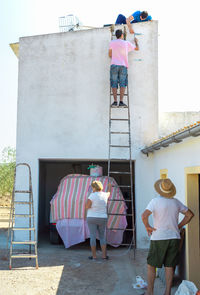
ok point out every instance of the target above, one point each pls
(52, 171)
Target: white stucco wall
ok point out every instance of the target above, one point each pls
(175, 159)
(171, 121)
(63, 97)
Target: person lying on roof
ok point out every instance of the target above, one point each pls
(136, 17)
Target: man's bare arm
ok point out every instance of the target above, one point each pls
(188, 216)
(145, 219)
(110, 52)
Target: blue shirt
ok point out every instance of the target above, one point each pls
(137, 18)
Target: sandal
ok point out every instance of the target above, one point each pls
(92, 258)
(106, 258)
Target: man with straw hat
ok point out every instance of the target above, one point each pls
(165, 233)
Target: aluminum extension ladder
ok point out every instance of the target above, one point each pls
(113, 133)
(27, 202)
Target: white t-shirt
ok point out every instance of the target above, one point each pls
(165, 217)
(99, 204)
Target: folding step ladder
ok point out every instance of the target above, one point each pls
(27, 215)
(111, 160)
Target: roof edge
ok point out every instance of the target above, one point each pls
(15, 48)
(175, 137)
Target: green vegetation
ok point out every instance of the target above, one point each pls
(7, 168)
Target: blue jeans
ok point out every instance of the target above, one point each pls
(97, 224)
(121, 19)
(118, 75)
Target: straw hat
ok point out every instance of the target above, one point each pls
(165, 188)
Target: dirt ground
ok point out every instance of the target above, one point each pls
(4, 216)
(70, 272)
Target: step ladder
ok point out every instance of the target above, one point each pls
(122, 115)
(22, 198)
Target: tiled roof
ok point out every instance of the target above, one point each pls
(175, 137)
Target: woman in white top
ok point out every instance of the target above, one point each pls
(96, 207)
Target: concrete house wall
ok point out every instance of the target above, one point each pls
(181, 163)
(63, 100)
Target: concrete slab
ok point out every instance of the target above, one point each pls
(69, 272)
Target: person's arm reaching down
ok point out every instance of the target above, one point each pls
(109, 189)
(88, 204)
(188, 216)
(145, 220)
(128, 22)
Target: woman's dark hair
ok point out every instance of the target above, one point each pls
(118, 33)
(144, 14)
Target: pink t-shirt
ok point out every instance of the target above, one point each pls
(120, 49)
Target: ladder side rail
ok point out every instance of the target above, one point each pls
(11, 250)
(131, 175)
(111, 30)
(109, 134)
(33, 221)
(12, 212)
(10, 218)
(30, 207)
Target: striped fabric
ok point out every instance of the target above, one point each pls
(72, 194)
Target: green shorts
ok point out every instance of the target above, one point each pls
(164, 252)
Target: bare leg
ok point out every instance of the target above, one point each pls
(103, 248)
(151, 274)
(169, 274)
(93, 248)
(122, 91)
(114, 90)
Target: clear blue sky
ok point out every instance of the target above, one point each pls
(179, 46)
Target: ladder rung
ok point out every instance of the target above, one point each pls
(119, 214)
(23, 192)
(121, 244)
(115, 159)
(22, 202)
(120, 146)
(23, 228)
(119, 172)
(125, 94)
(120, 200)
(136, 34)
(127, 229)
(118, 94)
(116, 132)
(121, 186)
(23, 215)
(118, 107)
(116, 200)
(116, 119)
(23, 256)
(24, 243)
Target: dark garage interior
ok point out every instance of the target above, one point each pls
(52, 171)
